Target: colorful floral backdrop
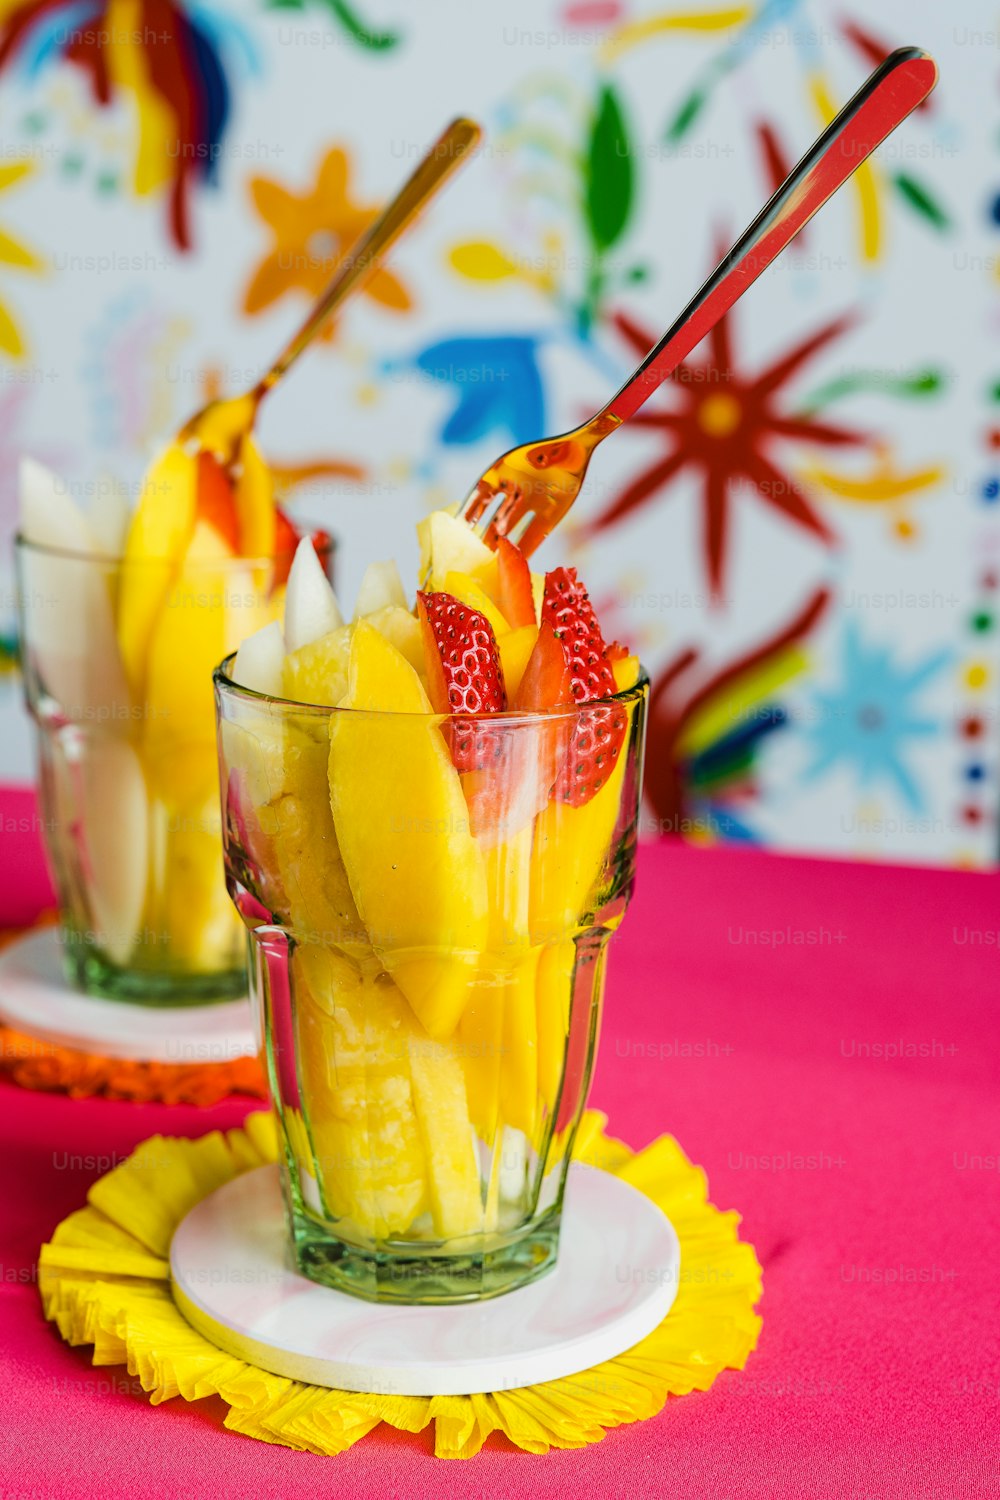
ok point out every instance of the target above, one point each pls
(801, 533)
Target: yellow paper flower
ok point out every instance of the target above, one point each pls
(105, 1280)
(310, 234)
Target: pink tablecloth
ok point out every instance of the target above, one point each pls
(823, 1039)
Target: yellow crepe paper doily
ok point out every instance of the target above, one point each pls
(105, 1280)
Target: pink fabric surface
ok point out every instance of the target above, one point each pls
(822, 1038)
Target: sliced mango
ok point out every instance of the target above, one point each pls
(626, 670)
(443, 1113)
(403, 630)
(515, 646)
(519, 1074)
(299, 821)
(254, 497)
(190, 912)
(317, 673)
(509, 969)
(157, 540)
(553, 994)
(571, 846)
(480, 1036)
(467, 591)
(354, 1039)
(186, 641)
(414, 868)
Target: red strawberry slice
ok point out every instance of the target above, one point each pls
(547, 682)
(514, 595)
(567, 607)
(599, 733)
(464, 676)
(286, 539)
(214, 500)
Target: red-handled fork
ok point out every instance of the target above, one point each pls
(529, 490)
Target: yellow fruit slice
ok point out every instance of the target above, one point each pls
(570, 849)
(319, 904)
(467, 591)
(553, 991)
(190, 914)
(509, 967)
(519, 1073)
(403, 631)
(254, 498)
(186, 641)
(415, 870)
(354, 1037)
(626, 671)
(157, 539)
(515, 647)
(480, 1034)
(443, 1113)
(317, 673)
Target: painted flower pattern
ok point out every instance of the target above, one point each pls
(724, 424)
(15, 253)
(869, 720)
(310, 234)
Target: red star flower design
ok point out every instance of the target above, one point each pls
(723, 424)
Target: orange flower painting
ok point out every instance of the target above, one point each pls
(310, 234)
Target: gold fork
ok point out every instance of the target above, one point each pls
(220, 424)
(529, 490)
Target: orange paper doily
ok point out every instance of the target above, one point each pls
(36, 1064)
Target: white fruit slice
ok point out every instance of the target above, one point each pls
(380, 587)
(311, 607)
(115, 831)
(67, 601)
(50, 517)
(109, 517)
(260, 661)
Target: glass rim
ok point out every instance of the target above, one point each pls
(23, 543)
(509, 717)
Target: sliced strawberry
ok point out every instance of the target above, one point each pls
(599, 733)
(515, 598)
(464, 676)
(547, 682)
(616, 651)
(286, 539)
(215, 502)
(567, 607)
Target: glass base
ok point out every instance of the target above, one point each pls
(408, 1275)
(88, 970)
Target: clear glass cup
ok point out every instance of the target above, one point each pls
(128, 769)
(427, 966)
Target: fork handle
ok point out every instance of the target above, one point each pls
(441, 159)
(895, 88)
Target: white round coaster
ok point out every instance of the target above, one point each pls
(614, 1281)
(37, 999)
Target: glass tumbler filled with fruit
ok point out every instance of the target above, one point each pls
(429, 819)
(123, 616)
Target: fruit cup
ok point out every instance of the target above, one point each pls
(118, 653)
(429, 921)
